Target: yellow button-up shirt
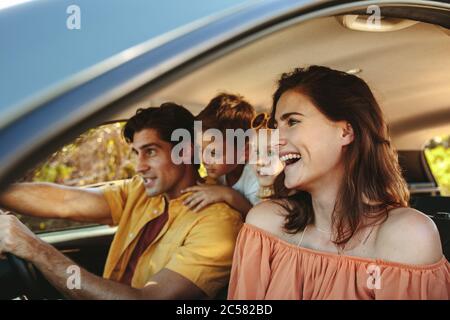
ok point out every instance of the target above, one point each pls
(196, 245)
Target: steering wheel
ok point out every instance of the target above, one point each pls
(27, 274)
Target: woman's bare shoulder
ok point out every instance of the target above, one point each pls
(409, 236)
(268, 215)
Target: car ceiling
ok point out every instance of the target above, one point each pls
(408, 71)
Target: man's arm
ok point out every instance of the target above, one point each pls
(48, 200)
(56, 267)
(166, 284)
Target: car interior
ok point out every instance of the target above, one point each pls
(406, 65)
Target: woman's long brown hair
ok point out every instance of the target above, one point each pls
(373, 182)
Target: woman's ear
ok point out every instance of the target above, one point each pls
(347, 135)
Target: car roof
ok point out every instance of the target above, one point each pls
(39, 52)
(408, 70)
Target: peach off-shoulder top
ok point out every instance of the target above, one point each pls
(267, 267)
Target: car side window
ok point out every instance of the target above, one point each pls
(95, 157)
(437, 153)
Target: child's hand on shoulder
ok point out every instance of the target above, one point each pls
(204, 195)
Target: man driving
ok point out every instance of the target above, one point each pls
(161, 250)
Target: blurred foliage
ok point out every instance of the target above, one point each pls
(437, 153)
(99, 155)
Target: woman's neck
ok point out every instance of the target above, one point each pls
(324, 197)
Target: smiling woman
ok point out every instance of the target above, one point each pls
(348, 232)
(332, 120)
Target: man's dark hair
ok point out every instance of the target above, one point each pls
(164, 119)
(227, 111)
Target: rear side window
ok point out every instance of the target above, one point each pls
(437, 153)
(97, 156)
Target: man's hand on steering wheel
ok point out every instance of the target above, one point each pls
(17, 243)
(16, 238)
